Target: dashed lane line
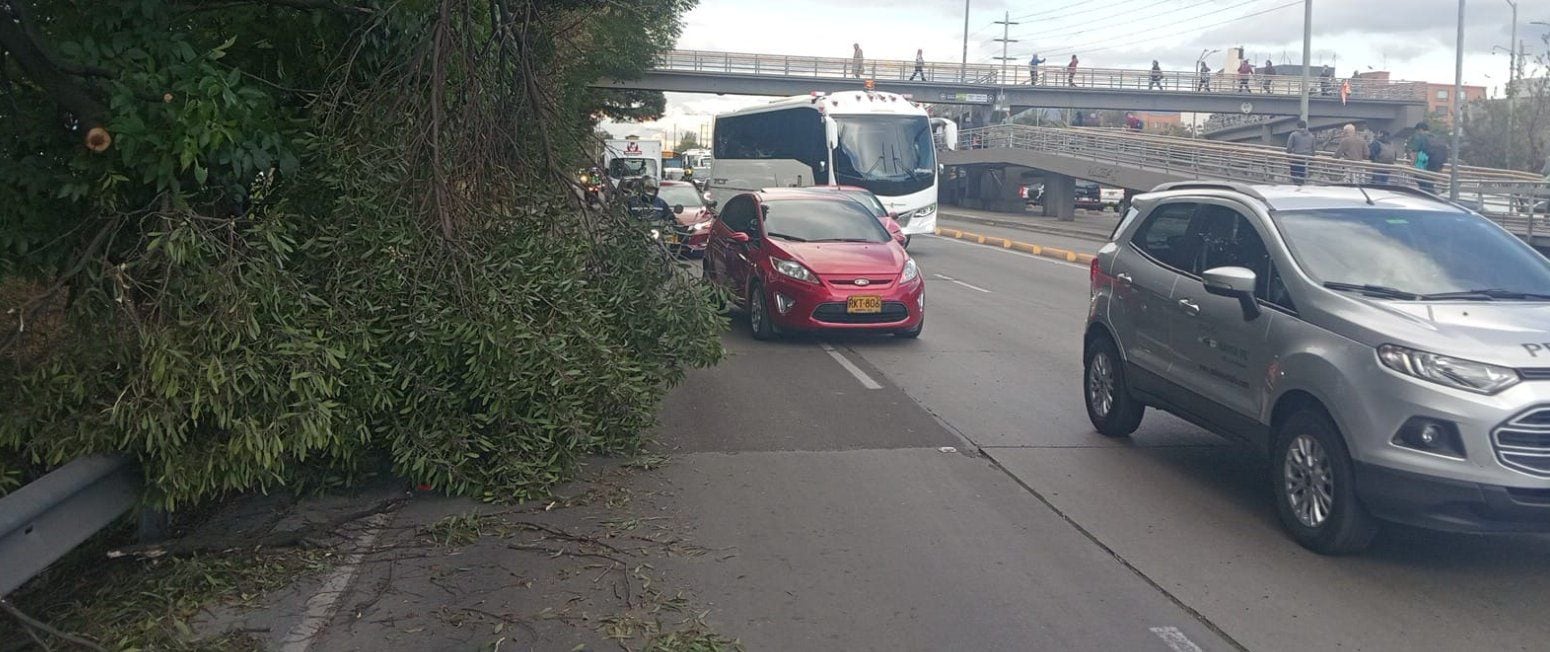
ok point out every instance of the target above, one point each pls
(866, 381)
(953, 280)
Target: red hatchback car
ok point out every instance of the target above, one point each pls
(803, 261)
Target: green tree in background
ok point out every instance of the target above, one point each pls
(687, 141)
(267, 242)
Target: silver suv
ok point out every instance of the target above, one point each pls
(1389, 351)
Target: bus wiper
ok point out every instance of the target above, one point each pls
(1380, 291)
(783, 236)
(1485, 294)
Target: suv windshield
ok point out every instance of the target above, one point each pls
(1414, 253)
(886, 154)
(821, 220)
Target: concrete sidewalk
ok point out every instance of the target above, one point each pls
(1088, 225)
(797, 500)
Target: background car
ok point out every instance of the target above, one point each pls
(692, 216)
(1089, 196)
(799, 260)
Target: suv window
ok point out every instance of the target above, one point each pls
(738, 214)
(1228, 239)
(1165, 236)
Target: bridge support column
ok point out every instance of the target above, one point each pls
(1267, 135)
(1060, 197)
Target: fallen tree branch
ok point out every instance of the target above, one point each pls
(57, 80)
(287, 539)
(34, 625)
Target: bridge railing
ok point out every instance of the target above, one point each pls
(1050, 74)
(1507, 196)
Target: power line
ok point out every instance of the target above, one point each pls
(1062, 17)
(1056, 10)
(1131, 41)
(1130, 38)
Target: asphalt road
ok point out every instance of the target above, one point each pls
(856, 531)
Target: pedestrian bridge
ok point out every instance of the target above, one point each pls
(1385, 103)
(988, 160)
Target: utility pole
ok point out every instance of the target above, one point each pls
(1512, 70)
(1006, 28)
(1307, 52)
(1458, 107)
(963, 70)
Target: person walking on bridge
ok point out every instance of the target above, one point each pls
(1033, 69)
(1071, 71)
(1205, 78)
(1300, 146)
(857, 63)
(1352, 147)
(920, 66)
(1155, 80)
(1382, 151)
(1266, 73)
(1245, 76)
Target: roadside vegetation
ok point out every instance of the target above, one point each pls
(281, 245)
(275, 243)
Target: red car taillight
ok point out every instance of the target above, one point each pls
(1095, 276)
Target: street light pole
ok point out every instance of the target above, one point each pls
(963, 69)
(1458, 107)
(1512, 69)
(1307, 52)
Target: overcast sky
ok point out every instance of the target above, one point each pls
(1411, 38)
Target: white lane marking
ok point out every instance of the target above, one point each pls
(953, 280)
(322, 605)
(1012, 252)
(866, 381)
(1175, 639)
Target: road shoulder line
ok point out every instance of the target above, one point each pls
(1008, 243)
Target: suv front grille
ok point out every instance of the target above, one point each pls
(834, 313)
(1523, 442)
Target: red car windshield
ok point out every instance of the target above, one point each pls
(821, 220)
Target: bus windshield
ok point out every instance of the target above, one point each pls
(890, 155)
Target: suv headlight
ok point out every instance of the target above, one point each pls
(1468, 375)
(794, 270)
(911, 272)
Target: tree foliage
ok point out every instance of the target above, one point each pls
(1514, 132)
(326, 233)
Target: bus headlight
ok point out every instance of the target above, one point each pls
(922, 213)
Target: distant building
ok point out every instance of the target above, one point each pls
(1160, 122)
(1440, 100)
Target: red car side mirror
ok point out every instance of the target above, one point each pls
(739, 236)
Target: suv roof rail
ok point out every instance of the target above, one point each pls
(1247, 189)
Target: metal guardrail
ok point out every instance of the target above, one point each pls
(1506, 196)
(50, 516)
(1052, 74)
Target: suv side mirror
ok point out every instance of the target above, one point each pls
(1234, 282)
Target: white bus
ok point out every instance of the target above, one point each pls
(878, 141)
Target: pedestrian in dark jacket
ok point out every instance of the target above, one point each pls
(1300, 146)
(1205, 78)
(920, 66)
(1266, 73)
(1155, 80)
(857, 63)
(1245, 75)
(1382, 151)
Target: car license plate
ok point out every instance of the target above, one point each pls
(863, 304)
